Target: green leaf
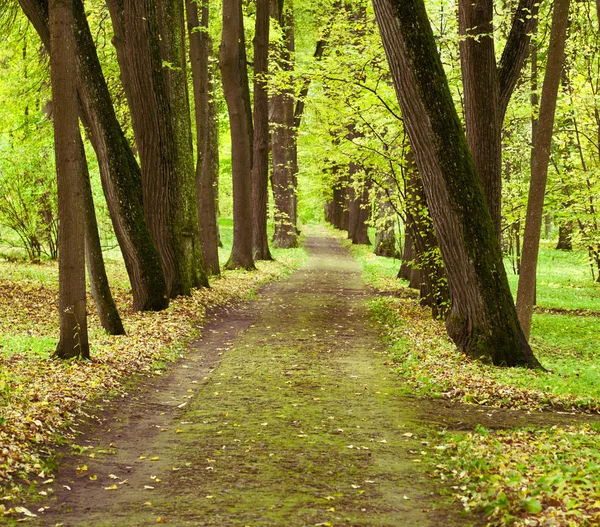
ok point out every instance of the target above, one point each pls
(532, 506)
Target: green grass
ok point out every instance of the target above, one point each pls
(535, 476)
(564, 281)
(565, 343)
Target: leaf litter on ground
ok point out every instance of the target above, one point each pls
(42, 400)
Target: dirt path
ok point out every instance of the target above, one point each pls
(283, 415)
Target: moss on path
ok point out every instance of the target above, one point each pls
(299, 424)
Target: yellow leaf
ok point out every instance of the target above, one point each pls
(93, 477)
(112, 487)
(155, 458)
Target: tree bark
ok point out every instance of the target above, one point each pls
(541, 157)
(190, 261)
(565, 236)
(340, 211)
(488, 87)
(483, 321)
(200, 53)
(167, 176)
(282, 140)
(63, 70)
(481, 94)
(235, 87)
(260, 165)
(119, 171)
(105, 304)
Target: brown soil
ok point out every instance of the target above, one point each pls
(283, 414)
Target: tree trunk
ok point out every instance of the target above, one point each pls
(539, 174)
(260, 165)
(186, 229)
(408, 257)
(483, 321)
(235, 86)
(565, 236)
(360, 234)
(119, 171)
(200, 52)
(105, 304)
(353, 209)
(73, 318)
(385, 238)
(481, 93)
(341, 214)
(282, 123)
(488, 88)
(157, 99)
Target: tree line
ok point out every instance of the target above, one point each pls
(393, 146)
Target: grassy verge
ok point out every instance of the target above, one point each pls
(524, 477)
(42, 400)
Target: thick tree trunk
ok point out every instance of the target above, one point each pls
(488, 88)
(341, 214)
(105, 304)
(483, 321)
(282, 123)
(73, 318)
(260, 165)
(235, 87)
(164, 147)
(119, 171)
(200, 52)
(481, 94)
(539, 174)
(186, 229)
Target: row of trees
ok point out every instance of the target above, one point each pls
(160, 195)
(385, 134)
(483, 83)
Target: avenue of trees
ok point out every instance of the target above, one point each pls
(456, 131)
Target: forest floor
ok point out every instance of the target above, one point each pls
(285, 413)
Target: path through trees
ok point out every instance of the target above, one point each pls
(307, 430)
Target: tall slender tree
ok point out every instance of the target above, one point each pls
(105, 304)
(206, 175)
(541, 158)
(235, 87)
(260, 160)
(73, 318)
(483, 320)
